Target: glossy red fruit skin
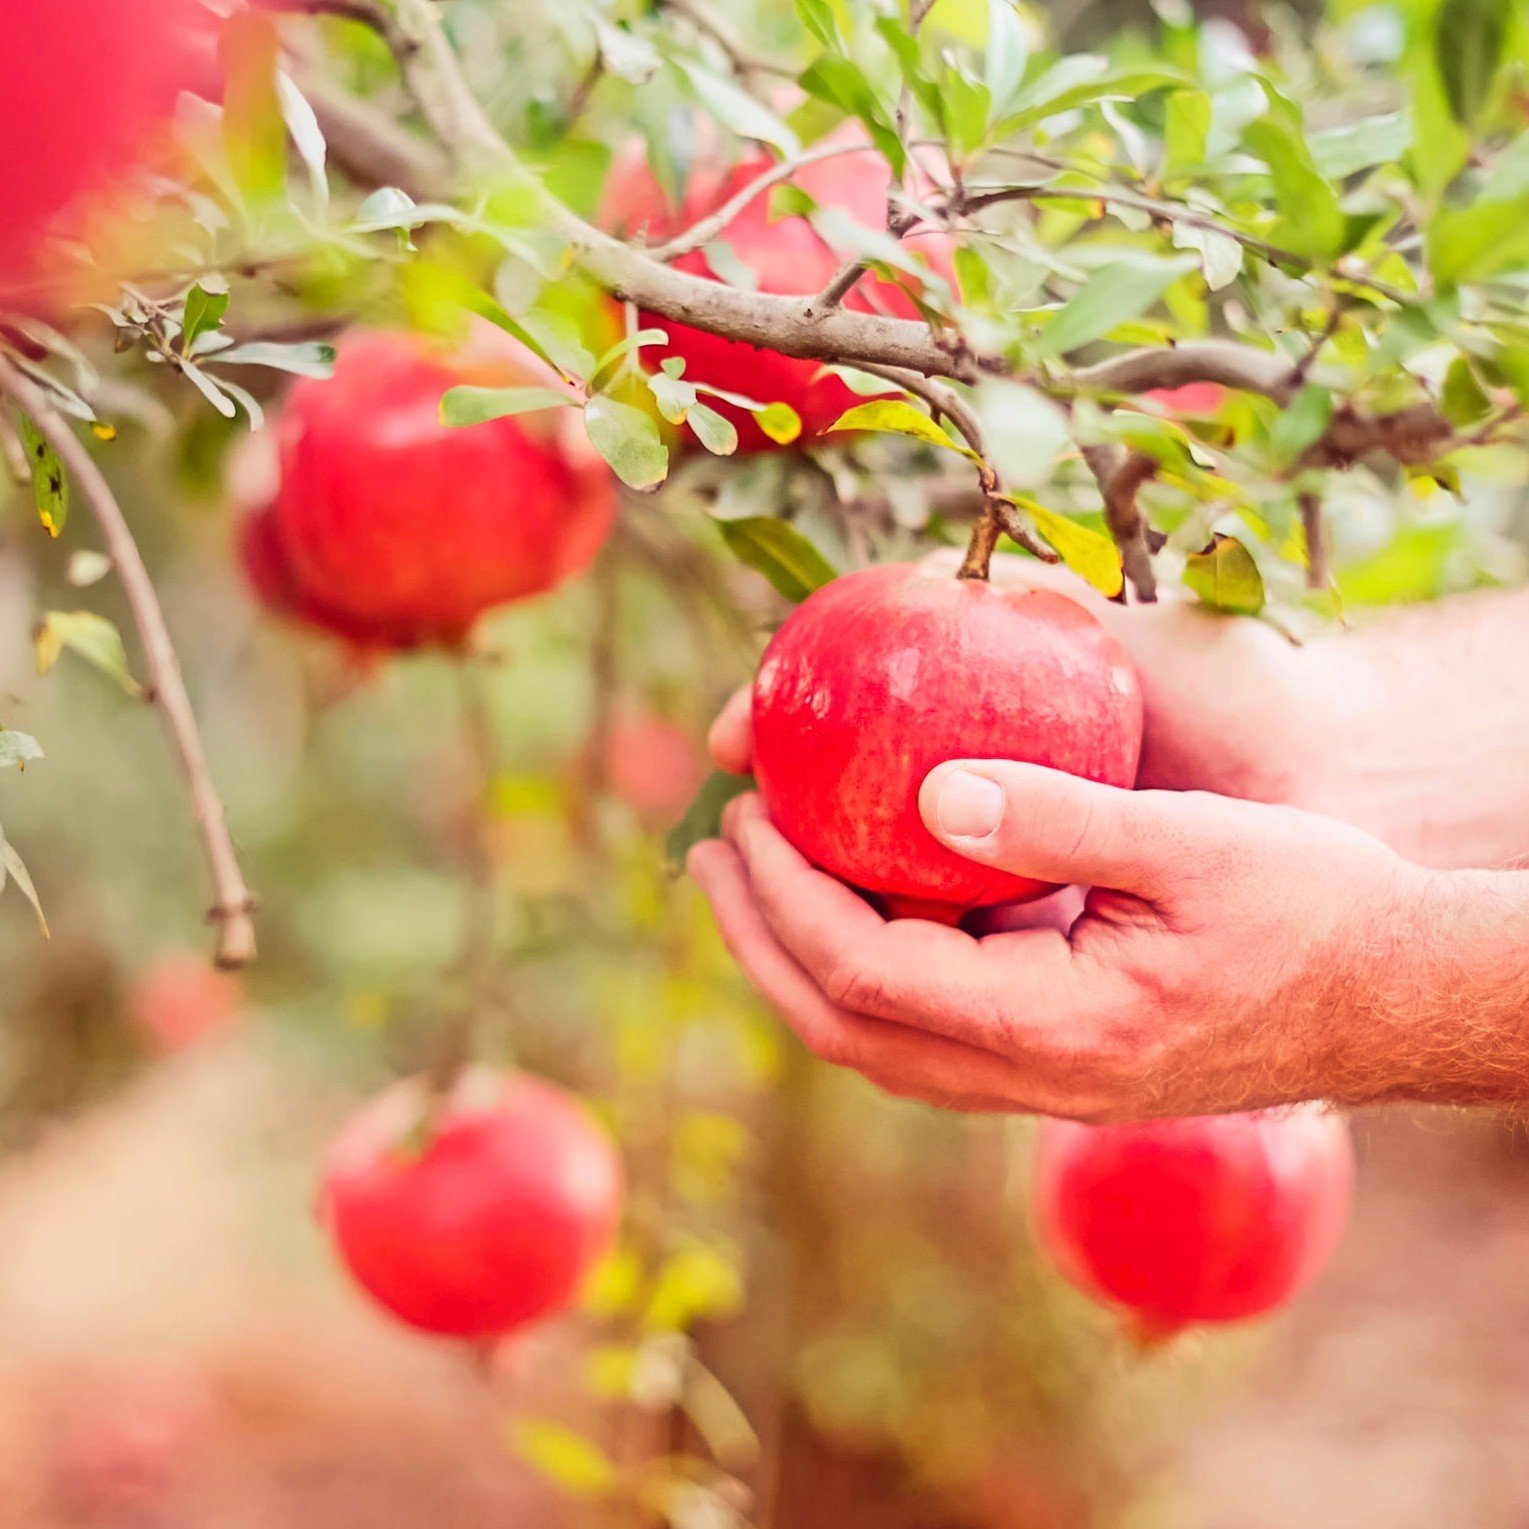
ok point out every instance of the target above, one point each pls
(395, 528)
(84, 84)
(886, 673)
(788, 258)
(1208, 1219)
(489, 1220)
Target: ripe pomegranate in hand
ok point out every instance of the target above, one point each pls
(480, 1217)
(1212, 1219)
(395, 530)
(788, 258)
(886, 673)
(83, 85)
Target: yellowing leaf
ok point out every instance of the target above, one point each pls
(1226, 578)
(1091, 556)
(896, 416)
(575, 1463)
(780, 422)
(91, 637)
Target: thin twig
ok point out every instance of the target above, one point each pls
(13, 448)
(369, 13)
(708, 228)
(233, 906)
(373, 149)
(743, 59)
(1120, 474)
(1314, 524)
(998, 512)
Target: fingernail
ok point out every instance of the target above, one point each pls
(968, 806)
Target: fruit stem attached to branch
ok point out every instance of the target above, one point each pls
(232, 910)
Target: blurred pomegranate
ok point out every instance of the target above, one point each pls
(84, 84)
(181, 1001)
(1191, 399)
(652, 765)
(1212, 1219)
(476, 1214)
(393, 530)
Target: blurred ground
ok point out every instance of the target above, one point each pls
(175, 1352)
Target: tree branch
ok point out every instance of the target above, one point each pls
(739, 56)
(373, 149)
(1121, 474)
(232, 909)
(796, 327)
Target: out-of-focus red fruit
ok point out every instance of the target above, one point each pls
(395, 530)
(1212, 1219)
(1192, 398)
(480, 1218)
(83, 86)
(653, 766)
(788, 258)
(888, 672)
(180, 1001)
(121, 1451)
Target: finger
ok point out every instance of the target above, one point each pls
(899, 1060)
(1058, 827)
(909, 971)
(731, 739)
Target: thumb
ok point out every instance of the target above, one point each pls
(731, 740)
(1057, 827)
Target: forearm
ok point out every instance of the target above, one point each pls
(1442, 1015)
(1424, 730)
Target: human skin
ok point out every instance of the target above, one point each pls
(1235, 953)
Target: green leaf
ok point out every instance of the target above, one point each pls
(576, 1464)
(254, 131)
(1115, 294)
(13, 868)
(88, 636)
(1301, 424)
(307, 135)
(202, 314)
(714, 431)
(780, 552)
(303, 358)
(703, 817)
(1344, 151)
(1186, 128)
(629, 440)
(1478, 242)
(624, 347)
(1463, 400)
(895, 416)
(50, 483)
(473, 406)
(1225, 577)
(1311, 221)
(1469, 45)
(1079, 80)
(1089, 554)
(737, 110)
(18, 749)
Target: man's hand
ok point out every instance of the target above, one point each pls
(1231, 706)
(1232, 956)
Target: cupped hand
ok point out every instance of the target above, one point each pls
(1231, 706)
(1232, 955)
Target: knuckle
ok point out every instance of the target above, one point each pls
(854, 985)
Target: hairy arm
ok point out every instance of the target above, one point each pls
(1424, 729)
(1232, 956)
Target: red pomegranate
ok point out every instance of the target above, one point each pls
(84, 84)
(180, 1001)
(395, 530)
(1192, 398)
(788, 258)
(652, 765)
(1212, 1219)
(882, 675)
(481, 1217)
